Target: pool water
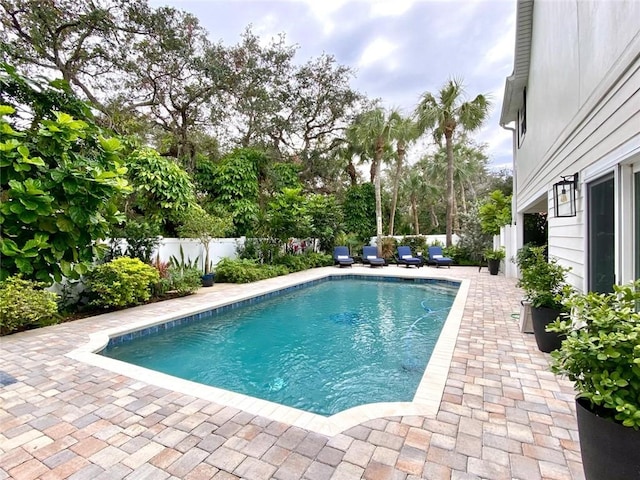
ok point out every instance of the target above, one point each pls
(323, 349)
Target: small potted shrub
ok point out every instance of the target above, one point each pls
(494, 257)
(601, 355)
(544, 285)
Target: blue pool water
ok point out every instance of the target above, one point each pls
(323, 349)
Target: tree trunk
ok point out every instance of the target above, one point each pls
(434, 218)
(378, 160)
(450, 193)
(396, 182)
(353, 175)
(414, 210)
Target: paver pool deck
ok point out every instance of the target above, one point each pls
(502, 413)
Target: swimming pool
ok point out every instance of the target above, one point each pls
(323, 349)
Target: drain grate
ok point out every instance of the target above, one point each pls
(6, 379)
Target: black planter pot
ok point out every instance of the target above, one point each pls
(541, 317)
(208, 279)
(609, 449)
(494, 266)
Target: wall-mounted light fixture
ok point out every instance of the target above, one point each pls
(564, 196)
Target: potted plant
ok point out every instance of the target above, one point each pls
(601, 355)
(494, 257)
(196, 223)
(543, 282)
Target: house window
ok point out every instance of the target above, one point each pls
(601, 236)
(522, 119)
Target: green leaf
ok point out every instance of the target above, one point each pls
(7, 110)
(29, 204)
(64, 224)
(28, 216)
(24, 265)
(16, 208)
(65, 267)
(9, 247)
(70, 185)
(110, 145)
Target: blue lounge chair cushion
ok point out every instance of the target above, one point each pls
(370, 256)
(341, 256)
(437, 258)
(405, 257)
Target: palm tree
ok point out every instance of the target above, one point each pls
(444, 115)
(404, 132)
(373, 130)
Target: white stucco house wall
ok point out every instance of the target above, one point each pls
(573, 104)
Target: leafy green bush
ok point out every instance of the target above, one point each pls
(417, 243)
(184, 280)
(293, 263)
(315, 259)
(245, 271)
(122, 282)
(297, 263)
(542, 280)
(61, 180)
(261, 250)
(601, 353)
(23, 304)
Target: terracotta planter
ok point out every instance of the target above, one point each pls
(610, 451)
(541, 317)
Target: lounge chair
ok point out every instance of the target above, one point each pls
(437, 258)
(341, 257)
(405, 257)
(370, 256)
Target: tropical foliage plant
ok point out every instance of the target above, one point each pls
(543, 281)
(495, 212)
(204, 226)
(601, 352)
(61, 180)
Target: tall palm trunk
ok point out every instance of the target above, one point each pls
(396, 182)
(376, 183)
(449, 144)
(414, 210)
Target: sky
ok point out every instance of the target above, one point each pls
(399, 49)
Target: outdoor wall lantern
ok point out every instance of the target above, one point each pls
(564, 196)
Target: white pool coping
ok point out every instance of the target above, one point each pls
(426, 401)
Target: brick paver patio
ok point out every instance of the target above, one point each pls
(503, 415)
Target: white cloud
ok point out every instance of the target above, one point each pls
(380, 50)
(390, 8)
(324, 11)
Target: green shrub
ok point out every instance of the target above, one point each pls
(23, 304)
(293, 263)
(315, 259)
(245, 271)
(601, 353)
(122, 282)
(417, 243)
(184, 280)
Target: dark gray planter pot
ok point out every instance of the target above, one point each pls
(494, 266)
(208, 280)
(541, 317)
(610, 451)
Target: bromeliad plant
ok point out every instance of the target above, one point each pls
(601, 353)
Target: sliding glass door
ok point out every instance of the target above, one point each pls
(636, 230)
(601, 240)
